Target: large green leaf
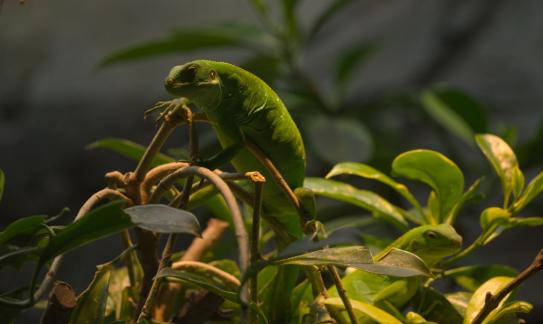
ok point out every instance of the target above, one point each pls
(459, 300)
(364, 310)
(129, 149)
(472, 277)
(2, 183)
(456, 111)
(533, 189)
(477, 301)
(507, 313)
(202, 279)
(362, 198)
(98, 223)
(504, 161)
(24, 226)
(235, 35)
(368, 172)
(91, 304)
(164, 219)
(346, 139)
(437, 171)
(399, 263)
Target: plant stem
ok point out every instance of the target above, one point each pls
(492, 301)
(343, 294)
(255, 254)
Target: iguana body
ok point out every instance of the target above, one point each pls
(242, 108)
(430, 242)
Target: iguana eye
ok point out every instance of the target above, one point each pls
(431, 235)
(212, 74)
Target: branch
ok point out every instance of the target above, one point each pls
(62, 301)
(343, 294)
(492, 301)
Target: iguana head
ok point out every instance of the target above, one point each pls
(432, 242)
(197, 81)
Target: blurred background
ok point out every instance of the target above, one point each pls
(365, 80)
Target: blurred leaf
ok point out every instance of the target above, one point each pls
(477, 301)
(361, 198)
(507, 312)
(415, 318)
(98, 223)
(364, 310)
(24, 226)
(344, 236)
(129, 149)
(504, 161)
(459, 300)
(265, 66)
(204, 280)
(456, 111)
(472, 277)
(2, 183)
(399, 263)
(348, 63)
(494, 216)
(164, 219)
(232, 34)
(91, 304)
(533, 189)
(326, 15)
(435, 307)
(366, 171)
(435, 170)
(340, 139)
(289, 14)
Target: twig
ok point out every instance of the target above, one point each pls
(62, 301)
(343, 294)
(492, 301)
(154, 175)
(179, 265)
(255, 254)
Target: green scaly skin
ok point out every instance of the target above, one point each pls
(431, 243)
(241, 107)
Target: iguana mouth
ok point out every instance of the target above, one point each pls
(172, 84)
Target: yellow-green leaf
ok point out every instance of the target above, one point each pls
(477, 301)
(365, 310)
(533, 189)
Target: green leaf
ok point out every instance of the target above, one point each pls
(265, 66)
(101, 222)
(349, 256)
(346, 139)
(348, 62)
(2, 183)
(289, 15)
(201, 279)
(507, 312)
(326, 15)
(472, 277)
(435, 306)
(129, 149)
(504, 161)
(494, 216)
(456, 111)
(533, 189)
(467, 196)
(164, 219)
(364, 310)
(477, 301)
(437, 171)
(24, 226)
(399, 263)
(361, 198)
(366, 171)
(233, 34)
(91, 304)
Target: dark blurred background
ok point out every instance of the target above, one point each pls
(55, 98)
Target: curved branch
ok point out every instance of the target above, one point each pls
(154, 175)
(222, 187)
(207, 267)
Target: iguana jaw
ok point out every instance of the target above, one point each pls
(171, 84)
